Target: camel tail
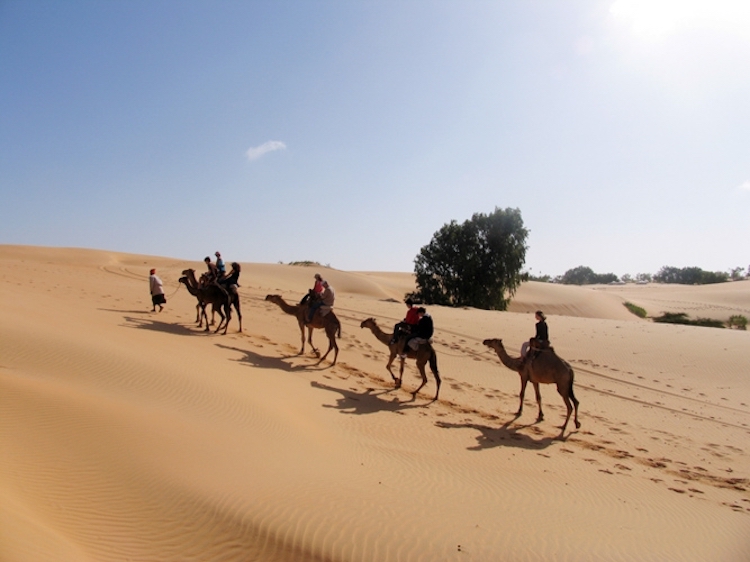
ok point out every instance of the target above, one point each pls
(338, 334)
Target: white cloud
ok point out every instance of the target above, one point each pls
(256, 152)
(745, 186)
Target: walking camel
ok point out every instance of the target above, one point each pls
(221, 301)
(424, 354)
(544, 367)
(329, 323)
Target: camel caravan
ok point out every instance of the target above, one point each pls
(410, 339)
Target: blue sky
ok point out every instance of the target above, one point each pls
(349, 132)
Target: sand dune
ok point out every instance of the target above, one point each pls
(131, 435)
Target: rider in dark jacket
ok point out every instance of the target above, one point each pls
(423, 331)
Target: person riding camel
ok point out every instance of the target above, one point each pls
(406, 326)
(318, 286)
(220, 267)
(421, 334)
(314, 296)
(325, 304)
(540, 339)
(212, 273)
(231, 280)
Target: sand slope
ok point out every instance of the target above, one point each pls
(129, 435)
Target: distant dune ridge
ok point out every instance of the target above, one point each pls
(132, 435)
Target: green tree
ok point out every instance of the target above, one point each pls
(583, 275)
(689, 276)
(477, 263)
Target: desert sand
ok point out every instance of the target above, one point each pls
(132, 435)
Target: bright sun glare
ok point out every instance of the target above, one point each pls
(658, 18)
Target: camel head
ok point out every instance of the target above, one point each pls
(494, 343)
(183, 280)
(368, 323)
(273, 298)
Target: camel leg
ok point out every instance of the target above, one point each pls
(239, 314)
(540, 416)
(335, 355)
(222, 315)
(436, 374)
(390, 371)
(524, 382)
(571, 403)
(302, 338)
(569, 407)
(575, 403)
(205, 317)
(331, 345)
(402, 364)
(309, 340)
(420, 366)
(229, 318)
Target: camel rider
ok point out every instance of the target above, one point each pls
(313, 295)
(325, 303)
(408, 323)
(541, 339)
(422, 333)
(314, 298)
(212, 272)
(232, 280)
(318, 286)
(220, 268)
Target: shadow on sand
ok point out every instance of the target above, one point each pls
(139, 311)
(503, 436)
(252, 359)
(369, 401)
(157, 326)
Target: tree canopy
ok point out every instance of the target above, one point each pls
(689, 276)
(583, 275)
(476, 263)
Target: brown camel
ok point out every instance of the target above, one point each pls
(206, 295)
(329, 323)
(424, 354)
(220, 300)
(545, 367)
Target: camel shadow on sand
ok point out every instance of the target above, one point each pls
(368, 402)
(252, 359)
(157, 326)
(490, 437)
(139, 311)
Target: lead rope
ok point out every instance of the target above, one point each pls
(175, 291)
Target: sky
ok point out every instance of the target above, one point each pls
(349, 132)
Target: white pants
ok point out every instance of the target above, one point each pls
(414, 343)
